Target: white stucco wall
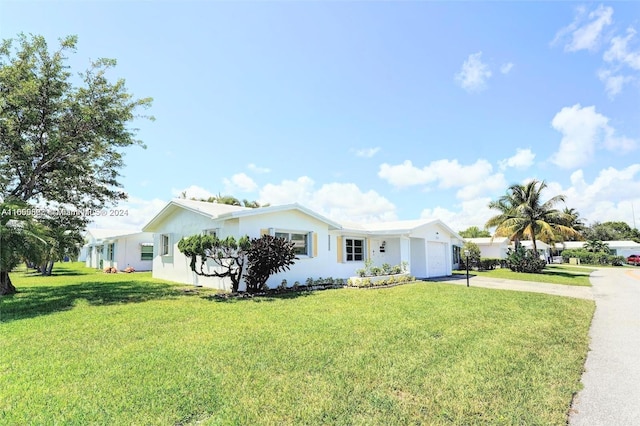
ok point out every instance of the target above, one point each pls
(326, 256)
(175, 266)
(127, 252)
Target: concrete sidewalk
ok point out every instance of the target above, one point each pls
(611, 394)
(502, 284)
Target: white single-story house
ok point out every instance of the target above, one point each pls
(496, 248)
(326, 248)
(118, 249)
(617, 248)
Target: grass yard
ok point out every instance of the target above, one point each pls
(553, 274)
(92, 348)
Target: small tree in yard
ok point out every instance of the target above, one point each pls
(474, 253)
(262, 256)
(229, 256)
(267, 255)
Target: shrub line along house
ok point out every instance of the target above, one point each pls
(118, 249)
(325, 248)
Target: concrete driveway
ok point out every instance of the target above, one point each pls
(529, 286)
(611, 394)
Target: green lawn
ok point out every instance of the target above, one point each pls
(553, 274)
(91, 348)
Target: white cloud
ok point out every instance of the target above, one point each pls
(489, 184)
(586, 30)
(620, 52)
(608, 197)
(474, 74)
(366, 152)
(583, 131)
(522, 159)
(471, 213)
(136, 213)
(405, 174)
(239, 182)
(193, 191)
(447, 173)
(258, 169)
(345, 201)
(288, 191)
(338, 201)
(621, 60)
(613, 84)
(506, 68)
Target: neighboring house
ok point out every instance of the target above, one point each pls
(617, 248)
(118, 249)
(326, 248)
(496, 248)
(491, 248)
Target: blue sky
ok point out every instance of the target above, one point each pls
(369, 110)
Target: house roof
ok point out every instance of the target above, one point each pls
(101, 234)
(612, 244)
(396, 227)
(483, 241)
(210, 210)
(225, 211)
(285, 207)
(488, 240)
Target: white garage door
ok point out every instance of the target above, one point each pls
(437, 259)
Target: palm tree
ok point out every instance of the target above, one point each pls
(597, 246)
(525, 215)
(20, 239)
(574, 221)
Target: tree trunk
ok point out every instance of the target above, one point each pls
(50, 268)
(5, 284)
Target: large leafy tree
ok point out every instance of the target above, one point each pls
(611, 231)
(61, 137)
(524, 214)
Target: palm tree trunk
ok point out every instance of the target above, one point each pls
(535, 246)
(6, 287)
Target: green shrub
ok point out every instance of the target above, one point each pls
(376, 271)
(523, 260)
(592, 258)
(618, 260)
(488, 264)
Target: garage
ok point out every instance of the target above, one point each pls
(437, 259)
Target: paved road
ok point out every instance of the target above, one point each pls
(611, 394)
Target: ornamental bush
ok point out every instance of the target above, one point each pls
(488, 264)
(523, 260)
